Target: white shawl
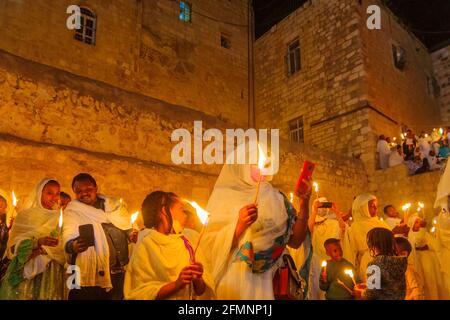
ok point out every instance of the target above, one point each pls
(96, 258)
(355, 246)
(34, 222)
(233, 190)
(158, 260)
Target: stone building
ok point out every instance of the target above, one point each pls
(322, 72)
(105, 99)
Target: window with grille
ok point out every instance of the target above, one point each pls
(86, 33)
(293, 59)
(296, 130)
(185, 11)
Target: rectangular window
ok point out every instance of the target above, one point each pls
(185, 11)
(433, 87)
(296, 130)
(293, 58)
(86, 33)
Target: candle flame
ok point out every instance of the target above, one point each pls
(421, 205)
(434, 221)
(316, 186)
(433, 230)
(324, 264)
(381, 219)
(291, 196)
(134, 217)
(261, 158)
(60, 222)
(403, 136)
(121, 200)
(349, 272)
(441, 131)
(14, 199)
(426, 135)
(202, 214)
(406, 206)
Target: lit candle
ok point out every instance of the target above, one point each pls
(261, 161)
(324, 266)
(133, 219)
(316, 189)
(405, 208)
(441, 131)
(14, 200)
(203, 216)
(60, 222)
(349, 272)
(291, 197)
(433, 229)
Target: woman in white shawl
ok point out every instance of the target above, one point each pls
(365, 218)
(443, 225)
(425, 259)
(244, 241)
(163, 264)
(36, 271)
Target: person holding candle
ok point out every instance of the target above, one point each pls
(36, 269)
(163, 264)
(386, 271)
(443, 225)
(365, 218)
(102, 266)
(323, 224)
(426, 262)
(244, 239)
(333, 280)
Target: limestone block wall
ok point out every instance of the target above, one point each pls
(142, 46)
(394, 186)
(441, 62)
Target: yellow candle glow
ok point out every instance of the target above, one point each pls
(261, 162)
(291, 197)
(60, 222)
(14, 199)
(316, 189)
(433, 229)
(349, 272)
(133, 219)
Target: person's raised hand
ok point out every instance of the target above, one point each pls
(48, 241)
(80, 245)
(247, 216)
(184, 278)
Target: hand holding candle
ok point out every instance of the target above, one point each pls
(349, 272)
(261, 163)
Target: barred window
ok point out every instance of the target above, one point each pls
(185, 11)
(296, 130)
(86, 33)
(293, 58)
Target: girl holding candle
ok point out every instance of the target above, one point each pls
(36, 270)
(245, 240)
(163, 265)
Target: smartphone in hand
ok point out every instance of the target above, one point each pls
(86, 232)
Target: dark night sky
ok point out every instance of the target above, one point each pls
(428, 19)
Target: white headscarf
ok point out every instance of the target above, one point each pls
(35, 221)
(233, 190)
(355, 242)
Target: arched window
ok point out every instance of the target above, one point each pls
(86, 33)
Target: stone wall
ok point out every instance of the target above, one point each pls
(441, 62)
(395, 186)
(142, 46)
(58, 124)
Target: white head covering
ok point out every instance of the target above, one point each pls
(233, 190)
(322, 213)
(34, 221)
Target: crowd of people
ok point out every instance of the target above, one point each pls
(235, 257)
(423, 153)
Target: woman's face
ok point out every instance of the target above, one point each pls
(373, 205)
(178, 213)
(50, 196)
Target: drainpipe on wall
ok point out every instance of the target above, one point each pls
(251, 78)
